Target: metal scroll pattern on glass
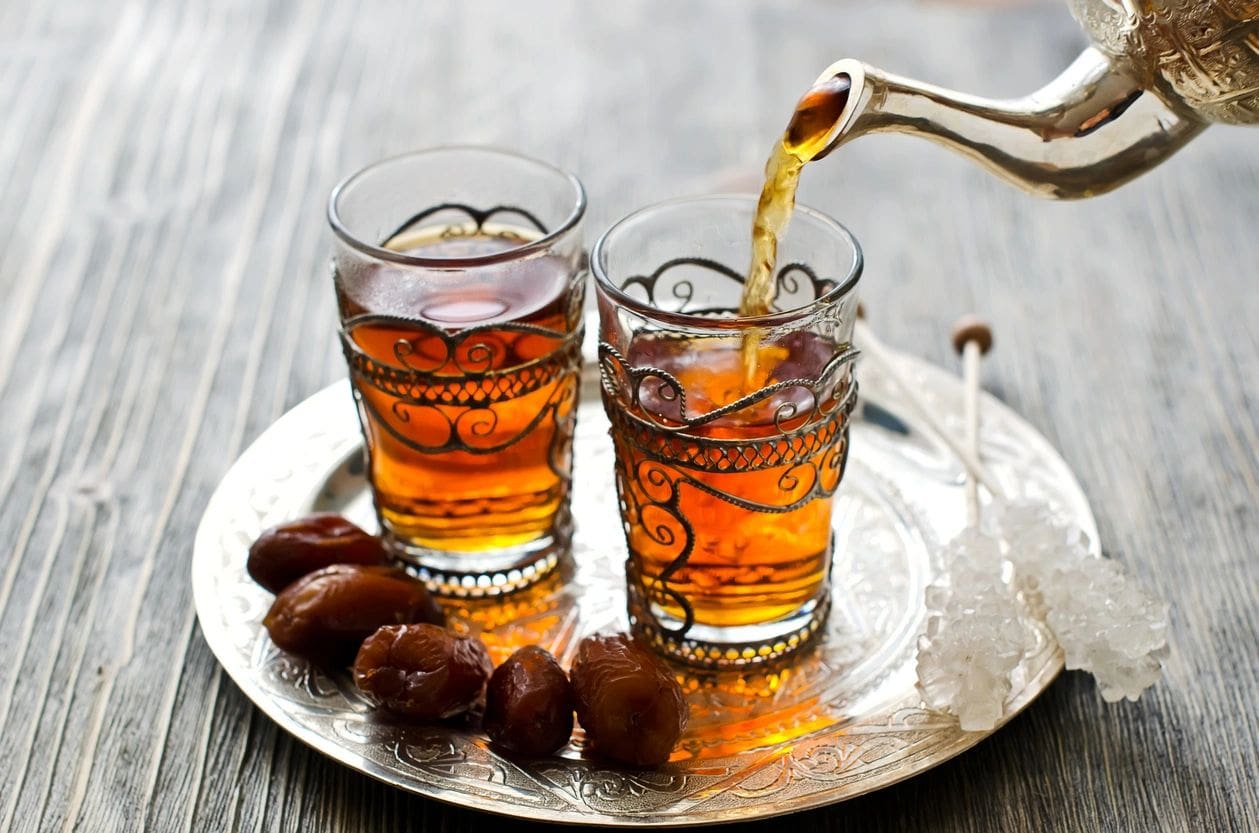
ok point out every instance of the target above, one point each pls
(664, 448)
(673, 285)
(478, 218)
(454, 382)
(434, 390)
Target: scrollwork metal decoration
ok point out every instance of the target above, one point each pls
(666, 448)
(478, 216)
(467, 376)
(434, 390)
(791, 280)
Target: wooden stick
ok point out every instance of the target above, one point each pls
(873, 348)
(972, 338)
(970, 376)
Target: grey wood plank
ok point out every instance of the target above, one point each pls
(164, 296)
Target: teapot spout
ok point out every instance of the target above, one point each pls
(1090, 130)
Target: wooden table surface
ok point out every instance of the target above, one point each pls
(163, 298)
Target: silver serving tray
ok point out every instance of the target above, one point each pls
(840, 720)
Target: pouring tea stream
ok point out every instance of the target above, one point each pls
(1158, 73)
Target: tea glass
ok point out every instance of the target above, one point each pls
(726, 473)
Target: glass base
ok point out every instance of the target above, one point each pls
(726, 648)
(484, 573)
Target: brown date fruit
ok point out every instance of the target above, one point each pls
(529, 704)
(628, 701)
(285, 553)
(422, 671)
(326, 615)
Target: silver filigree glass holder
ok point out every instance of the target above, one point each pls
(460, 283)
(731, 433)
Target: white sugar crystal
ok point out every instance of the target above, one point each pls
(1105, 623)
(974, 637)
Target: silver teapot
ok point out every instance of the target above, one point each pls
(1158, 72)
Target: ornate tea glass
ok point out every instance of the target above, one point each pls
(460, 277)
(726, 474)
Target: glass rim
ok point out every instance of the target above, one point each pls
(837, 293)
(379, 252)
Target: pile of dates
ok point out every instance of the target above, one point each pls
(339, 603)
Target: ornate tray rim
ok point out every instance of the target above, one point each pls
(205, 544)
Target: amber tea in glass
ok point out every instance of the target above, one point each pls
(726, 480)
(459, 278)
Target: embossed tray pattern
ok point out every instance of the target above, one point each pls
(840, 720)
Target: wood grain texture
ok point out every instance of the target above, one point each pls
(163, 297)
